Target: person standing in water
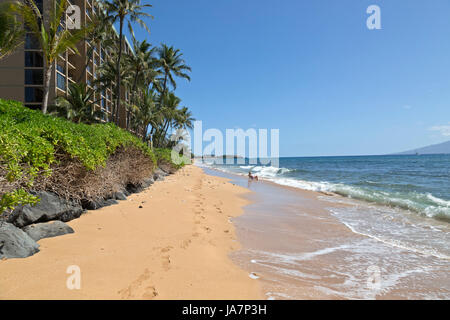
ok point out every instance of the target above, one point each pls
(252, 177)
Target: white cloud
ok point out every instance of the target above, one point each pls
(444, 130)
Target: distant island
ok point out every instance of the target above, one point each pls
(441, 148)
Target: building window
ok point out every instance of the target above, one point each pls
(60, 68)
(60, 81)
(33, 94)
(33, 59)
(31, 42)
(34, 76)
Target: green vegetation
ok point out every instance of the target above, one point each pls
(124, 11)
(11, 31)
(164, 156)
(78, 106)
(33, 143)
(146, 74)
(30, 141)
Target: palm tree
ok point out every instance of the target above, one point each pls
(183, 119)
(147, 114)
(78, 106)
(101, 33)
(11, 31)
(168, 109)
(107, 74)
(53, 38)
(171, 64)
(124, 11)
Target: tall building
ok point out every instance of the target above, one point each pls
(22, 73)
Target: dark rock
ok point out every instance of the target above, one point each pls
(167, 168)
(92, 204)
(97, 204)
(50, 207)
(134, 188)
(159, 175)
(147, 182)
(47, 230)
(140, 207)
(125, 192)
(109, 202)
(14, 243)
(120, 196)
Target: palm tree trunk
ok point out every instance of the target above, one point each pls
(116, 118)
(144, 136)
(48, 75)
(163, 92)
(89, 56)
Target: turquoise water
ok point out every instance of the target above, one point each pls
(420, 184)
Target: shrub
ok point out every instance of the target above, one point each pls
(31, 144)
(164, 157)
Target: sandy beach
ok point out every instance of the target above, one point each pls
(172, 241)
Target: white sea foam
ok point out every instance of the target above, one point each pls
(424, 204)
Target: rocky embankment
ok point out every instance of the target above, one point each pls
(25, 225)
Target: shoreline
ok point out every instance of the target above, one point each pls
(302, 245)
(177, 246)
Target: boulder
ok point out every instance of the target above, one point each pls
(134, 188)
(159, 175)
(147, 182)
(47, 230)
(97, 204)
(110, 202)
(120, 196)
(167, 168)
(14, 243)
(50, 207)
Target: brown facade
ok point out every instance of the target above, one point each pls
(22, 73)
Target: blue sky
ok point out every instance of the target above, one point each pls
(313, 70)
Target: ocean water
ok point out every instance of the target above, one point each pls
(420, 184)
(399, 205)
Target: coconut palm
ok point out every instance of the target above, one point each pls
(53, 38)
(129, 11)
(107, 74)
(78, 106)
(168, 109)
(171, 64)
(147, 114)
(183, 119)
(101, 33)
(11, 31)
(142, 66)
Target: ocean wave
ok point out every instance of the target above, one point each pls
(266, 171)
(423, 204)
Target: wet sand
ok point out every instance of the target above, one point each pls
(176, 246)
(300, 250)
